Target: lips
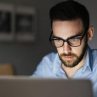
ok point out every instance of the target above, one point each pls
(68, 57)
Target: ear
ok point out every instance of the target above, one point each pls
(90, 33)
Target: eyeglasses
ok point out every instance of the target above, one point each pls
(72, 41)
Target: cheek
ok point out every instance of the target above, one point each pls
(60, 50)
(79, 50)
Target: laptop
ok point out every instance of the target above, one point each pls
(18, 86)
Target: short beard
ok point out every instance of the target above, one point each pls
(77, 60)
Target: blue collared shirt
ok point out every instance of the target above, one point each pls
(50, 67)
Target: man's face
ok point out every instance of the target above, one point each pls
(70, 56)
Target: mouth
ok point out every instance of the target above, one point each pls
(68, 57)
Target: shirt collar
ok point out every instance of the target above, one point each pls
(56, 64)
(88, 60)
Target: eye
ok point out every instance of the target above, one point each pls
(74, 39)
(58, 40)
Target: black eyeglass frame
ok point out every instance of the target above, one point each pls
(50, 40)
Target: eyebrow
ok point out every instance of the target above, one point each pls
(73, 36)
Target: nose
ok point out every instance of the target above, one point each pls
(66, 48)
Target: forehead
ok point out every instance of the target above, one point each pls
(65, 29)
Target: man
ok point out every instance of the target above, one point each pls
(70, 33)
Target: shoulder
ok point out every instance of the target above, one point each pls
(49, 57)
(45, 66)
(94, 55)
(47, 61)
(94, 51)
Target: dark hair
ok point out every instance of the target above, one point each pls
(70, 10)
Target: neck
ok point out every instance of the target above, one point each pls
(71, 71)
